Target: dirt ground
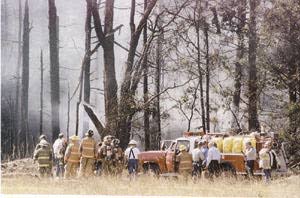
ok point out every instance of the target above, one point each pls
(20, 177)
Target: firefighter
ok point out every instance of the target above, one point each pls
(72, 157)
(184, 160)
(87, 150)
(198, 158)
(118, 157)
(131, 156)
(213, 160)
(107, 155)
(42, 139)
(59, 150)
(44, 158)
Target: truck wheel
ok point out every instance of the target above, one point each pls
(151, 168)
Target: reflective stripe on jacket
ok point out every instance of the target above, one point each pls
(43, 157)
(185, 162)
(88, 147)
(74, 154)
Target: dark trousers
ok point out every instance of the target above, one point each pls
(197, 169)
(214, 168)
(267, 173)
(132, 165)
(250, 167)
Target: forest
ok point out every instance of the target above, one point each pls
(148, 70)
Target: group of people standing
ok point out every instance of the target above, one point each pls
(204, 156)
(84, 158)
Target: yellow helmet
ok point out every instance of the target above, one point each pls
(182, 147)
(74, 138)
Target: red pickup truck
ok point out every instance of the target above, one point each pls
(163, 161)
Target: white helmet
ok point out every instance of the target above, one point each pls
(132, 142)
(43, 143)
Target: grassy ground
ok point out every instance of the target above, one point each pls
(147, 185)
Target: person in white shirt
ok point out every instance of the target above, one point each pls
(131, 155)
(198, 158)
(250, 155)
(58, 150)
(213, 160)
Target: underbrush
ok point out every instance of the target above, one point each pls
(148, 185)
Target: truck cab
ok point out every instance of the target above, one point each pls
(163, 161)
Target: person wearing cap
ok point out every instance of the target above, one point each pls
(87, 150)
(213, 160)
(72, 157)
(184, 160)
(198, 158)
(107, 155)
(250, 157)
(131, 155)
(58, 150)
(44, 158)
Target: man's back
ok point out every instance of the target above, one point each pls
(133, 154)
(88, 147)
(213, 154)
(185, 162)
(43, 156)
(197, 155)
(57, 147)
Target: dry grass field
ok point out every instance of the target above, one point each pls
(147, 185)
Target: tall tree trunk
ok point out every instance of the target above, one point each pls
(41, 93)
(54, 68)
(207, 73)
(17, 103)
(200, 73)
(25, 82)
(68, 113)
(146, 90)
(252, 82)
(238, 65)
(87, 70)
(156, 133)
(110, 82)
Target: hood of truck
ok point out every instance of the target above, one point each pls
(152, 155)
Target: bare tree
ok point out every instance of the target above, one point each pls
(252, 82)
(156, 133)
(87, 70)
(25, 83)
(207, 72)
(68, 113)
(106, 39)
(54, 68)
(197, 24)
(41, 93)
(146, 90)
(240, 51)
(18, 77)
(128, 86)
